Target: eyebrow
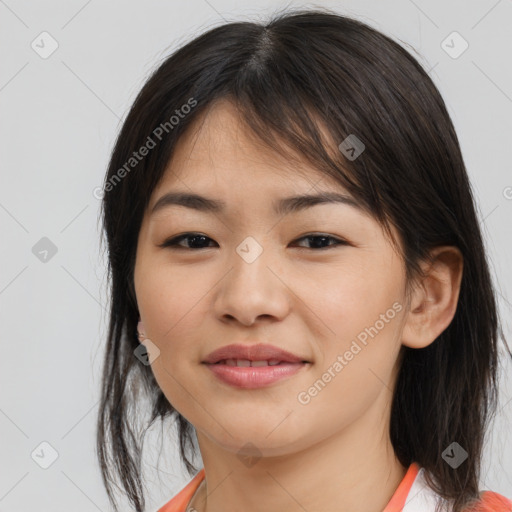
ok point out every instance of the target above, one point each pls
(282, 206)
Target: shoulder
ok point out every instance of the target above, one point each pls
(181, 500)
(491, 501)
(421, 498)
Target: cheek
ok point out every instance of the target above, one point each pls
(174, 304)
(348, 297)
(352, 373)
(358, 315)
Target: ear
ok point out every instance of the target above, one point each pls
(434, 299)
(141, 331)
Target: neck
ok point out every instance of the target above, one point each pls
(355, 469)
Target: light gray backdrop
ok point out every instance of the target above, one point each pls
(70, 71)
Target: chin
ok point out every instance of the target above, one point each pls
(256, 440)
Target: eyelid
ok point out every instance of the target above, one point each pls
(339, 240)
(173, 242)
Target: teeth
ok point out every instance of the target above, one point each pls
(246, 362)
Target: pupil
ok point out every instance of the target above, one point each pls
(195, 238)
(317, 240)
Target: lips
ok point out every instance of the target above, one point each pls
(246, 362)
(252, 355)
(254, 366)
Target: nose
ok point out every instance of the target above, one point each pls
(251, 291)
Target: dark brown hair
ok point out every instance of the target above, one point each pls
(289, 77)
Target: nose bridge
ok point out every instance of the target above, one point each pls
(251, 288)
(250, 249)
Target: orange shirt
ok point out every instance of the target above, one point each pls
(411, 495)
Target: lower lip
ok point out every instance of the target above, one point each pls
(250, 377)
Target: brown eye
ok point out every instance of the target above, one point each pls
(198, 241)
(320, 241)
(195, 241)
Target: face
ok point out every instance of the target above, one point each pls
(322, 282)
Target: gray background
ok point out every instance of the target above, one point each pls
(60, 116)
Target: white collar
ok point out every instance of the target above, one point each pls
(421, 497)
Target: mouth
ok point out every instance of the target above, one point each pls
(250, 376)
(254, 366)
(252, 355)
(246, 362)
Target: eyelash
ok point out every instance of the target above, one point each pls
(172, 243)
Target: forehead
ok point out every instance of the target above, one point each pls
(219, 150)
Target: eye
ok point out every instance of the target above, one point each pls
(320, 239)
(199, 241)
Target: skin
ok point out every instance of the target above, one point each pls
(333, 453)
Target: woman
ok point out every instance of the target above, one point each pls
(298, 277)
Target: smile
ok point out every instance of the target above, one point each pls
(246, 374)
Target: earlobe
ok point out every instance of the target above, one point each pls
(141, 331)
(434, 300)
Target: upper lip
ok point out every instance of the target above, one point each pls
(260, 352)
